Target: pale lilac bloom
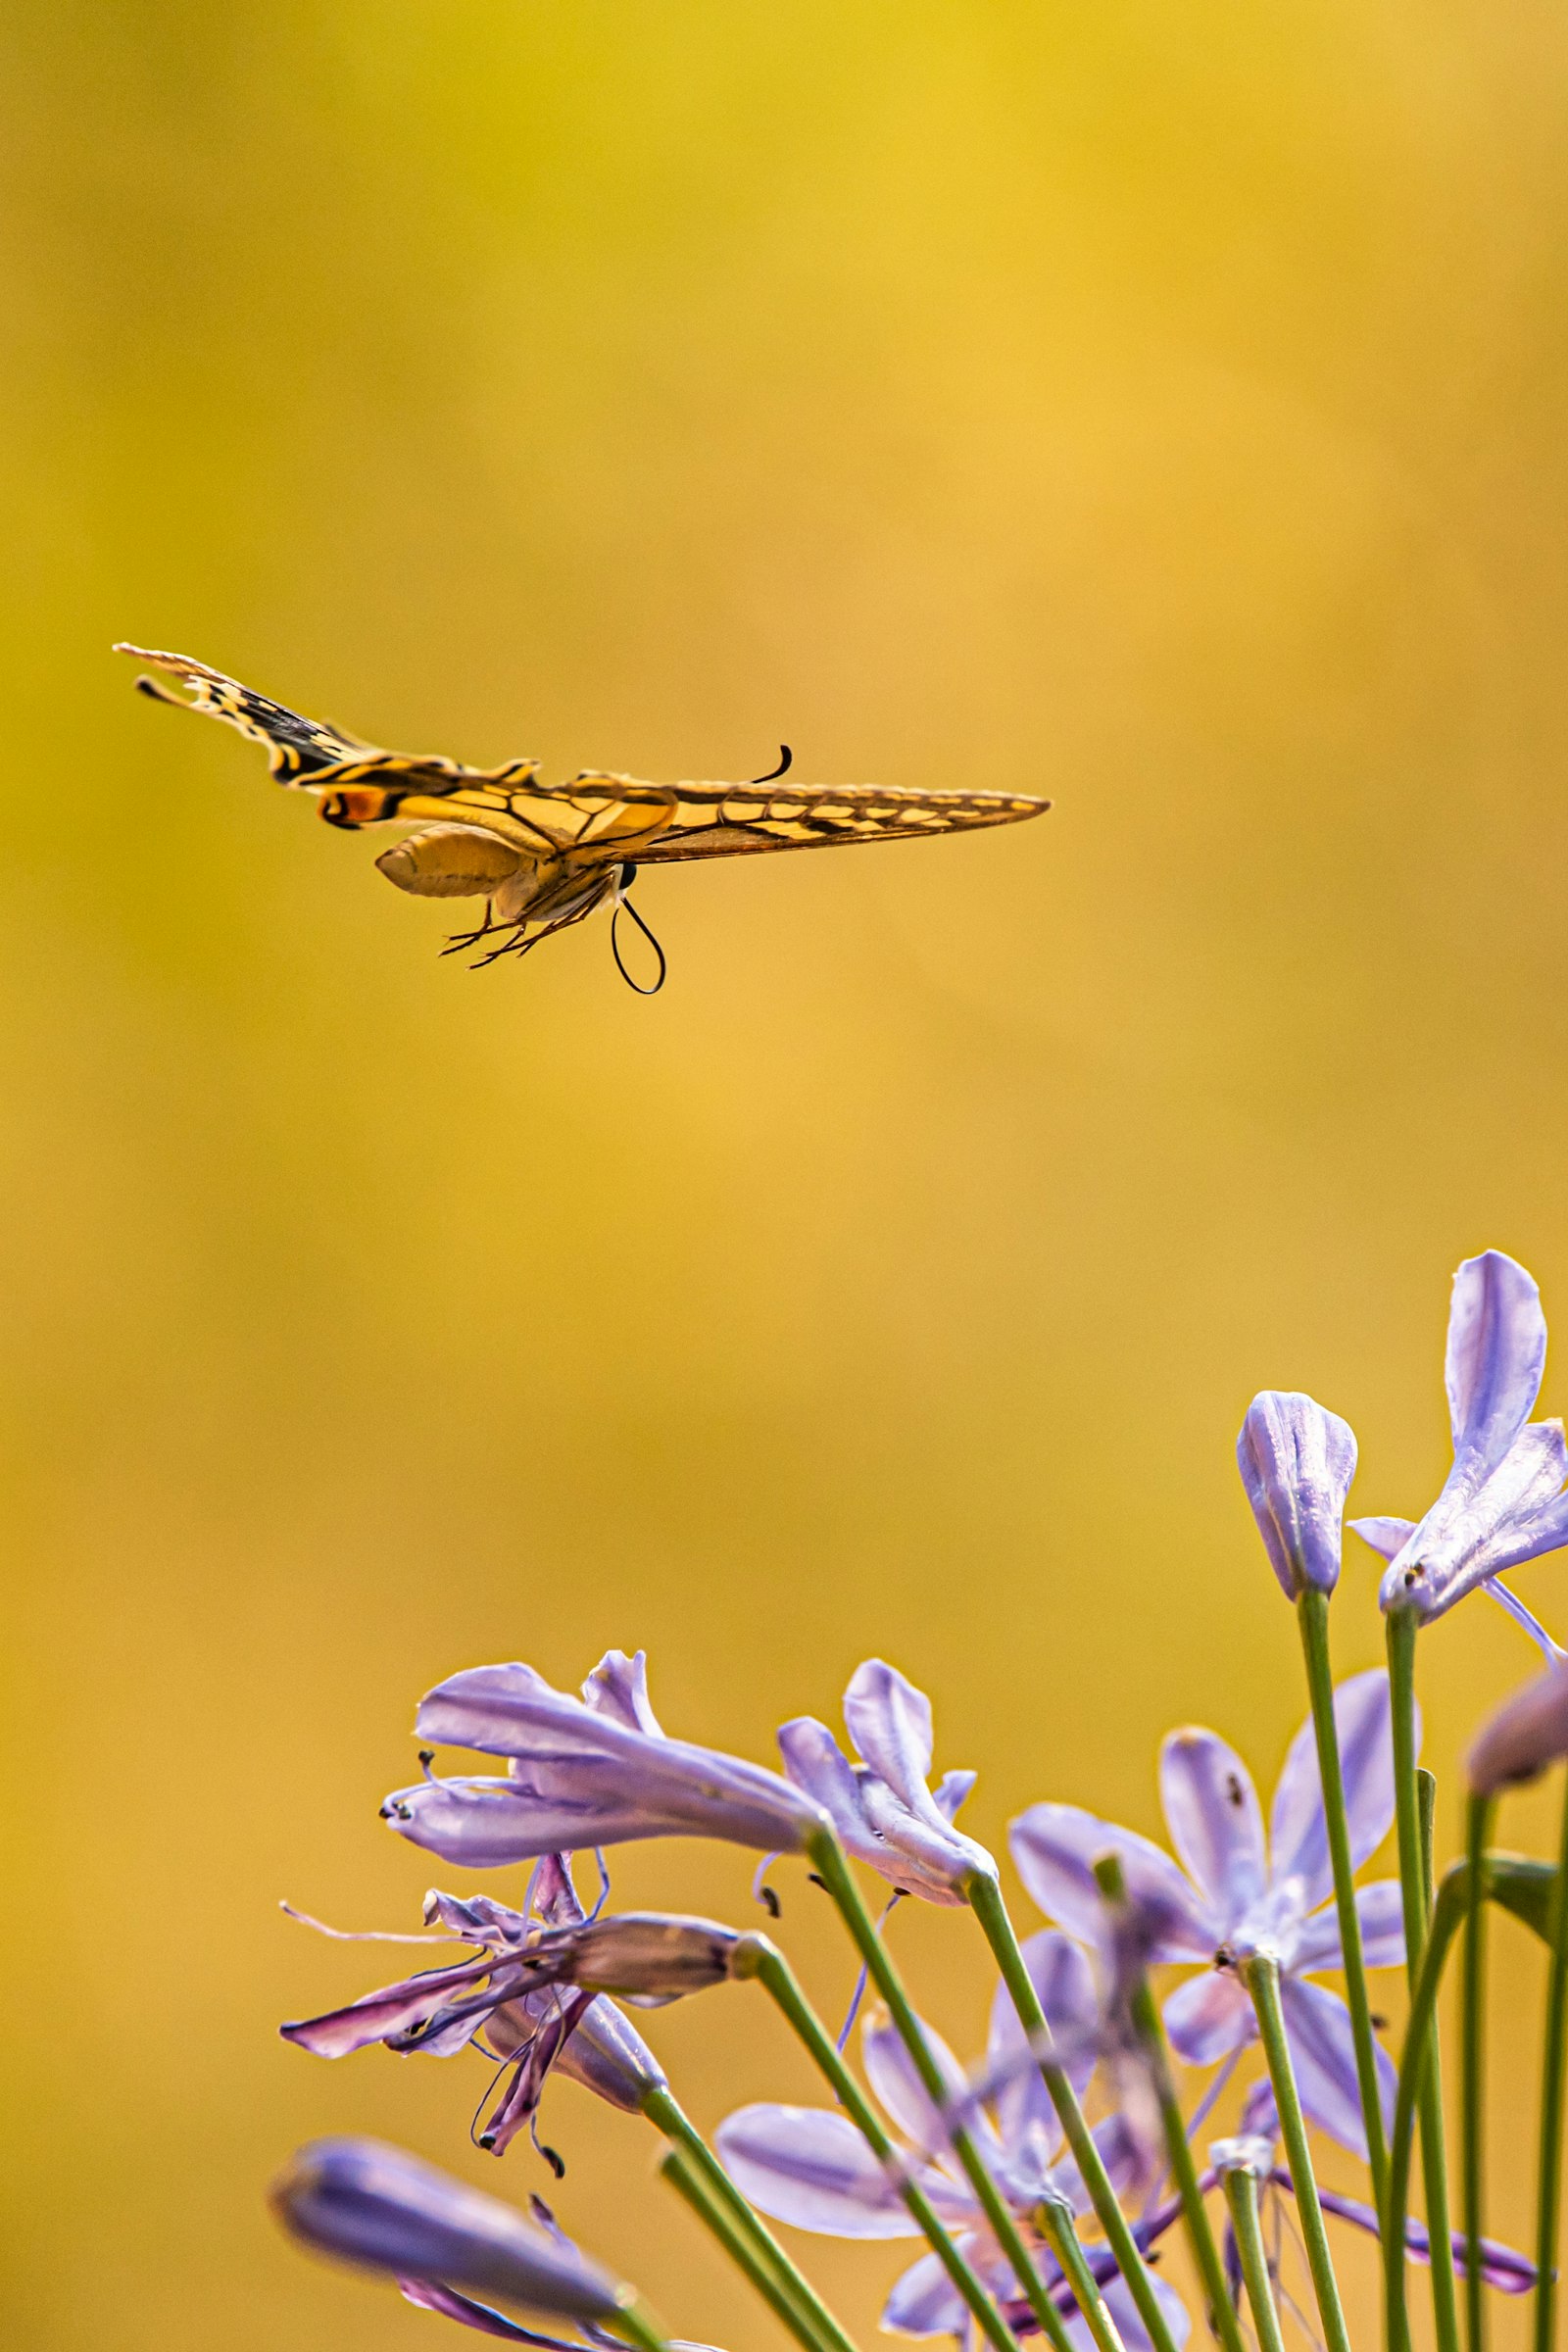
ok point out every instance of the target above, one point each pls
(1297, 1463)
(810, 2166)
(583, 1772)
(1237, 1893)
(382, 2209)
(528, 2017)
(1502, 1503)
(882, 1806)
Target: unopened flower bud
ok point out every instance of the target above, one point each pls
(1527, 1732)
(379, 2207)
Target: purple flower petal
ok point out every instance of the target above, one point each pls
(395, 2009)
(1509, 2272)
(918, 1851)
(1323, 2054)
(1388, 1537)
(618, 1688)
(1064, 1985)
(1212, 1811)
(890, 2071)
(1495, 1356)
(952, 1791)
(1208, 2017)
(890, 1723)
(463, 2308)
(583, 1777)
(1552, 1651)
(1298, 1831)
(924, 2300)
(1380, 1908)
(809, 2166)
(1054, 1846)
(1124, 2311)
(607, 2056)
(1297, 1463)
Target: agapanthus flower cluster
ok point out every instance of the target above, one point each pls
(1158, 2054)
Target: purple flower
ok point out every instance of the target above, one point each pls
(882, 1806)
(1297, 1463)
(810, 2166)
(1237, 1894)
(583, 1772)
(1526, 1733)
(1503, 1502)
(379, 2207)
(517, 1992)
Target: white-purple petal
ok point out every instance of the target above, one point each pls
(1379, 1910)
(902, 2096)
(1297, 1463)
(1055, 1847)
(1214, 1820)
(1317, 2024)
(1065, 1986)
(1124, 2311)
(924, 2300)
(1298, 1831)
(617, 1687)
(1388, 1537)
(1208, 2015)
(890, 1723)
(1497, 1353)
(809, 2166)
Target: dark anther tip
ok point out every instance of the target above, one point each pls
(427, 1755)
(770, 1902)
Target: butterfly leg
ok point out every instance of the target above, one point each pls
(471, 939)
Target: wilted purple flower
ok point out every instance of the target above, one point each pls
(379, 2207)
(1502, 1503)
(883, 1808)
(1526, 1733)
(1297, 1463)
(810, 2166)
(528, 2008)
(1236, 1894)
(583, 1772)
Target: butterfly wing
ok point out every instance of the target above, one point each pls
(306, 750)
(739, 820)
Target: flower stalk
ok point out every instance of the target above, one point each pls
(1241, 2195)
(1312, 1617)
(710, 2190)
(719, 2220)
(828, 1858)
(985, 1897)
(1478, 1825)
(1401, 1625)
(1555, 2057)
(1054, 2218)
(1144, 2018)
(757, 1957)
(1262, 1978)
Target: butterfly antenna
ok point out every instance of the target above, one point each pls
(625, 907)
(785, 756)
(160, 694)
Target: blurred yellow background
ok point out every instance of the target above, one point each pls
(1162, 410)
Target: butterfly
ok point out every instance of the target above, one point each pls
(544, 856)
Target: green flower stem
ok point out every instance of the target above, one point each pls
(1261, 1976)
(1241, 2195)
(834, 1870)
(985, 1897)
(637, 2324)
(1053, 2218)
(1550, 2190)
(1401, 1629)
(686, 2180)
(1478, 1828)
(757, 1957)
(812, 2323)
(1453, 1899)
(1145, 2018)
(1312, 1618)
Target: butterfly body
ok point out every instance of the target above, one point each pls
(545, 856)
